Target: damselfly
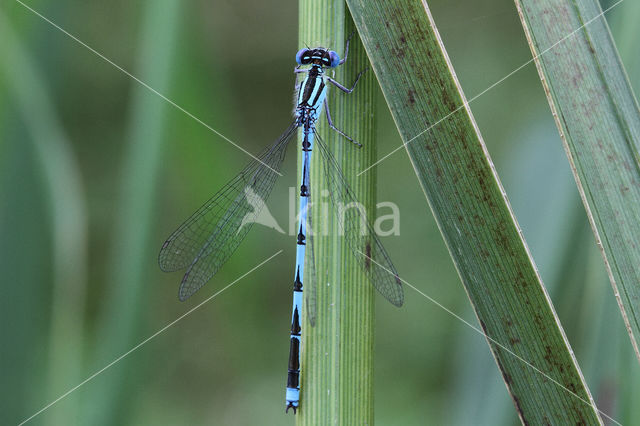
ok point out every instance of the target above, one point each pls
(209, 237)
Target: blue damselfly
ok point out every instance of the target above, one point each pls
(209, 237)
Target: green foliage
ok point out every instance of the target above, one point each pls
(463, 190)
(138, 186)
(225, 363)
(599, 122)
(58, 173)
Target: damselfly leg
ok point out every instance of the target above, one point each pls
(330, 121)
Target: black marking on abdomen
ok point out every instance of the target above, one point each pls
(294, 363)
(293, 379)
(297, 284)
(295, 323)
(304, 189)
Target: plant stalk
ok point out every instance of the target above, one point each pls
(337, 354)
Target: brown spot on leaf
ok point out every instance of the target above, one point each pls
(484, 327)
(479, 220)
(397, 52)
(507, 379)
(412, 96)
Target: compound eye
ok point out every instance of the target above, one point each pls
(334, 58)
(302, 57)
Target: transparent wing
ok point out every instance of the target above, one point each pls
(209, 237)
(359, 233)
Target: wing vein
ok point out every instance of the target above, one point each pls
(205, 241)
(365, 245)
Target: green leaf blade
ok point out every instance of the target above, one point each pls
(599, 122)
(478, 226)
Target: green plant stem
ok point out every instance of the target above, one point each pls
(624, 28)
(474, 216)
(337, 361)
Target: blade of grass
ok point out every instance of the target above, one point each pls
(474, 216)
(599, 123)
(337, 363)
(629, 388)
(68, 212)
(597, 332)
(133, 252)
(624, 27)
(553, 239)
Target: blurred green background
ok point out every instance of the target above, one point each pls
(96, 171)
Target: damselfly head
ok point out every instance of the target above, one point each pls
(318, 56)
